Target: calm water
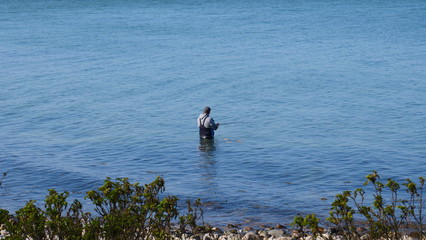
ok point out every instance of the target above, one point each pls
(313, 96)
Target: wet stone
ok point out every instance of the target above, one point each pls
(248, 229)
(284, 238)
(263, 234)
(251, 236)
(210, 236)
(231, 226)
(230, 237)
(232, 231)
(276, 233)
(279, 226)
(217, 230)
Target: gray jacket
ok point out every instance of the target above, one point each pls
(208, 123)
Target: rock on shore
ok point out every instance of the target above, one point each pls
(277, 233)
(248, 233)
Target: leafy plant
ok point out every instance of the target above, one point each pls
(193, 215)
(342, 215)
(126, 211)
(385, 218)
(131, 211)
(415, 204)
(4, 216)
(29, 222)
(60, 222)
(305, 224)
(55, 204)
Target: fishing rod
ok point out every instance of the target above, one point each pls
(230, 123)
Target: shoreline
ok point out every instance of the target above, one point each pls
(278, 232)
(129, 211)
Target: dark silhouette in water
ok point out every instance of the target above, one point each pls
(207, 146)
(207, 166)
(206, 124)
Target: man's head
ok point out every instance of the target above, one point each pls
(207, 110)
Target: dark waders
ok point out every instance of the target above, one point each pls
(205, 133)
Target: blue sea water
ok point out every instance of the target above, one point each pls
(313, 95)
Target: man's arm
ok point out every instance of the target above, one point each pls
(213, 124)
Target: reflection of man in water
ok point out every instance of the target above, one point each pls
(206, 124)
(207, 146)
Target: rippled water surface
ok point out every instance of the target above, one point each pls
(313, 95)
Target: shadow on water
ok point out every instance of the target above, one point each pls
(208, 170)
(207, 146)
(207, 149)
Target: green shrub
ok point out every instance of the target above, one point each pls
(131, 211)
(342, 215)
(415, 204)
(4, 216)
(386, 218)
(125, 211)
(307, 224)
(194, 214)
(29, 222)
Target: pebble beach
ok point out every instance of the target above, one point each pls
(278, 232)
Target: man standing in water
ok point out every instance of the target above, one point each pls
(206, 124)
